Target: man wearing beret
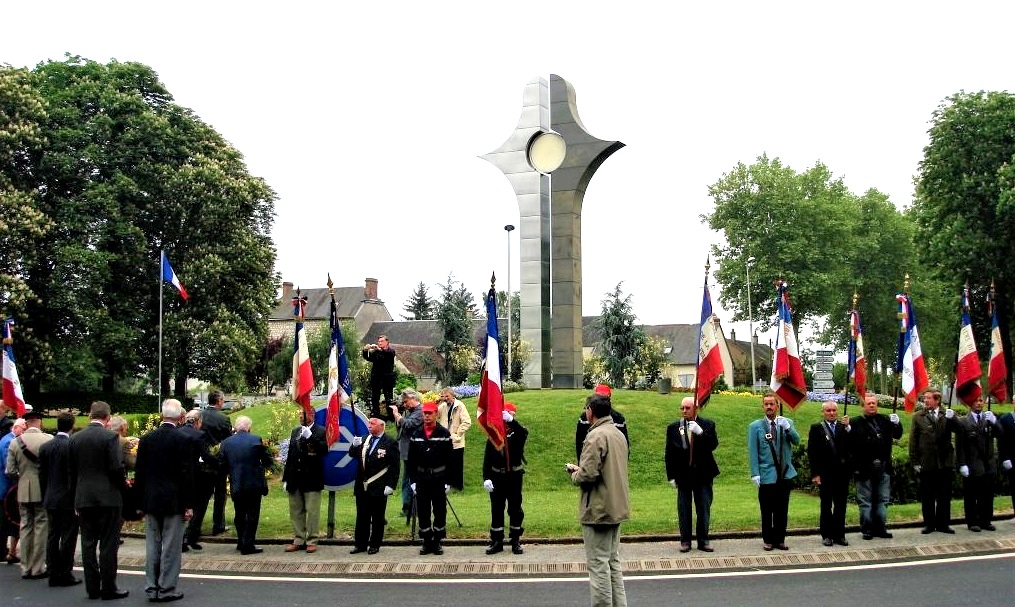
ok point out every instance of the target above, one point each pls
(582, 429)
(429, 453)
(502, 474)
(23, 463)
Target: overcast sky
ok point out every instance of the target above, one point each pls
(368, 118)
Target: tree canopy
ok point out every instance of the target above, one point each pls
(622, 339)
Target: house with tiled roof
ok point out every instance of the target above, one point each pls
(358, 303)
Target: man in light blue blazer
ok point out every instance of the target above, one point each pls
(770, 443)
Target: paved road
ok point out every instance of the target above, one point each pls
(985, 581)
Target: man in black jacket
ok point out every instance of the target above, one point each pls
(206, 473)
(377, 460)
(429, 452)
(382, 373)
(218, 428)
(58, 500)
(828, 454)
(691, 469)
(582, 429)
(870, 443)
(303, 479)
(502, 473)
(163, 479)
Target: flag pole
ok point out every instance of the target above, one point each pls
(697, 362)
(902, 343)
(852, 341)
(158, 380)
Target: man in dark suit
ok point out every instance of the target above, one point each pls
(933, 458)
(163, 478)
(206, 472)
(303, 479)
(1006, 450)
(977, 465)
(429, 452)
(582, 429)
(377, 456)
(246, 458)
(58, 500)
(691, 468)
(870, 444)
(98, 476)
(382, 372)
(218, 428)
(828, 454)
(503, 471)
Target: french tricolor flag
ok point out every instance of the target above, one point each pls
(967, 367)
(303, 373)
(909, 361)
(14, 398)
(857, 359)
(490, 405)
(169, 275)
(997, 373)
(709, 357)
(787, 372)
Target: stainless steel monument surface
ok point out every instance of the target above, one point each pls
(549, 160)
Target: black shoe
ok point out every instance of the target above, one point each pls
(113, 595)
(196, 546)
(252, 551)
(885, 535)
(438, 550)
(372, 550)
(357, 550)
(516, 548)
(782, 546)
(685, 546)
(495, 547)
(974, 528)
(947, 530)
(64, 582)
(12, 560)
(926, 530)
(35, 576)
(867, 536)
(424, 549)
(706, 548)
(842, 541)
(989, 527)
(827, 541)
(220, 530)
(167, 597)
(185, 548)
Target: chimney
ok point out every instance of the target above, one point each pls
(733, 334)
(755, 338)
(287, 291)
(370, 289)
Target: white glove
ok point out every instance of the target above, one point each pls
(304, 432)
(413, 487)
(673, 483)
(447, 488)
(284, 484)
(388, 491)
(964, 470)
(1006, 464)
(756, 480)
(488, 485)
(989, 416)
(357, 441)
(783, 423)
(694, 427)
(917, 468)
(894, 418)
(507, 417)
(949, 413)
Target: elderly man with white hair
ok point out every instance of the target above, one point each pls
(245, 457)
(163, 479)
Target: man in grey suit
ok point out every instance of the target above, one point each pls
(163, 478)
(57, 498)
(933, 459)
(98, 477)
(974, 450)
(23, 463)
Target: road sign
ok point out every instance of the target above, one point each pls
(823, 367)
(824, 385)
(825, 359)
(825, 353)
(822, 375)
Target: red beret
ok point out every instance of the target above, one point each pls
(430, 407)
(603, 390)
(510, 407)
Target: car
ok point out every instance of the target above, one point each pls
(230, 405)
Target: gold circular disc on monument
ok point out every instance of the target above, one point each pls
(546, 152)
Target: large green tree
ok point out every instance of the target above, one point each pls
(454, 312)
(965, 202)
(622, 339)
(126, 173)
(420, 305)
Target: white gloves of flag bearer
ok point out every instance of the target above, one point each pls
(756, 480)
(783, 422)
(894, 418)
(507, 417)
(964, 470)
(357, 441)
(388, 491)
(488, 485)
(694, 427)
(1006, 464)
(989, 417)
(413, 487)
(304, 432)
(949, 413)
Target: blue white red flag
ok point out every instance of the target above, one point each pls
(490, 405)
(169, 275)
(857, 359)
(997, 372)
(710, 366)
(303, 374)
(14, 398)
(787, 372)
(339, 381)
(967, 365)
(909, 360)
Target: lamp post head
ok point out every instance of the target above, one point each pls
(751, 260)
(509, 228)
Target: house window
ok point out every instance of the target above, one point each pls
(667, 350)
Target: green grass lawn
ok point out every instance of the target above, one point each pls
(550, 501)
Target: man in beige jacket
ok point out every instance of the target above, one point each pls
(452, 414)
(23, 463)
(602, 475)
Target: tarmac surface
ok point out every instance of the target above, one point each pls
(566, 556)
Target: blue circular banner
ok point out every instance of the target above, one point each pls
(339, 468)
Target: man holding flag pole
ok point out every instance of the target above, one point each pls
(909, 363)
(997, 385)
(13, 397)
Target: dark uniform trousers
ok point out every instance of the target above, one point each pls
(100, 526)
(430, 498)
(370, 511)
(507, 487)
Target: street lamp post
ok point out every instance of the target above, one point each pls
(509, 228)
(750, 322)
